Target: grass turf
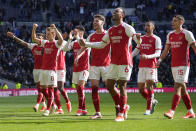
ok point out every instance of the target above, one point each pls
(16, 113)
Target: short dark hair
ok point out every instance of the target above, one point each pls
(180, 17)
(80, 27)
(100, 17)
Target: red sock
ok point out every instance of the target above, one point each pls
(123, 102)
(50, 98)
(95, 98)
(84, 105)
(175, 102)
(57, 98)
(43, 98)
(187, 101)
(64, 94)
(150, 97)
(45, 92)
(81, 97)
(40, 95)
(116, 99)
(144, 93)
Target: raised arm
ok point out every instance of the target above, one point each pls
(58, 34)
(20, 41)
(79, 54)
(33, 35)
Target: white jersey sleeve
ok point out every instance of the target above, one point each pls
(130, 31)
(31, 45)
(158, 45)
(106, 38)
(189, 37)
(43, 42)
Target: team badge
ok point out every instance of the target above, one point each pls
(120, 31)
(93, 39)
(150, 41)
(110, 33)
(180, 37)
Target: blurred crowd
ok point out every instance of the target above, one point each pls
(16, 61)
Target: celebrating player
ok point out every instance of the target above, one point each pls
(100, 61)
(48, 76)
(81, 67)
(149, 49)
(37, 54)
(179, 41)
(119, 36)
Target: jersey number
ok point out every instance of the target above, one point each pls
(126, 69)
(180, 72)
(52, 78)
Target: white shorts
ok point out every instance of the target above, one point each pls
(83, 75)
(180, 74)
(119, 72)
(147, 74)
(36, 75)
(61, 75)
(96, 72)
(48, 77)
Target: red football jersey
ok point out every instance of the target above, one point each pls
(180, 43)
(120, 38)
(148, 46)
(83, 62)
(49, 61)
(37, 54)
(99, 57)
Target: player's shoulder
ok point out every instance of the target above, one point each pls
(156, 37)
(186, 32)
(171, 32)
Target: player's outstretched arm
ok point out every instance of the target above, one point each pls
(59, 36)
(33, 35)
(97, 45)
(20, 41)
(164, 54)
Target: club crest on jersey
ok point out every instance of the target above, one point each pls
(93, 39)
(120, 31)
(110, 33)
(171, 38)
(180, 37)
(150, 41)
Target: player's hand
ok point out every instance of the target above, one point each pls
(138, 35)
(35, 26)
(71, 35)
(10, 34)
(157, 64)
(53, 26)
(144, 57)
(81, 42)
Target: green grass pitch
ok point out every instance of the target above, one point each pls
(16, 114)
